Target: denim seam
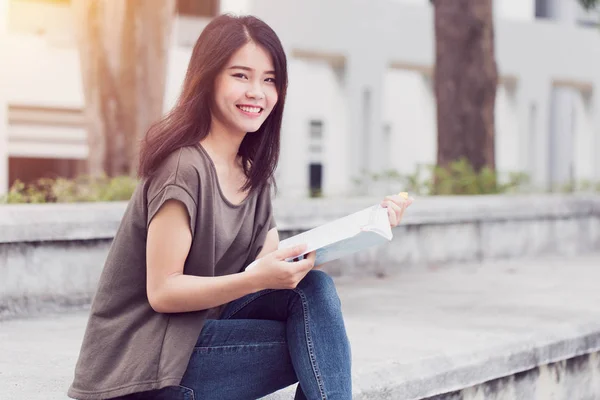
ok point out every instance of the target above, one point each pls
(235, 346)
(244, 304)
(309, 344)
(189, 391)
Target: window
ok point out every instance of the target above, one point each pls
(542, 9)
(387, 146)
(315, 158)
(316, 129)
(315, 171)
(315, 140)
(315, 148)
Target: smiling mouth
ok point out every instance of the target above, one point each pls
(255, 111)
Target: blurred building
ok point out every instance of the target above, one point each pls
(360, 94)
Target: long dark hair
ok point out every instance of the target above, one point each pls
(189, 121)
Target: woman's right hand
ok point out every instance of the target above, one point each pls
(273, 272)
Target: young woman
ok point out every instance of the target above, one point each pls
(176, 316)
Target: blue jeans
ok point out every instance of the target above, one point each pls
(272, 339)
(266, 341)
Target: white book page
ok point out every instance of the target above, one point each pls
(343, 228)
(362, 241)
(344, 236)
(330, 232)
(380, 224)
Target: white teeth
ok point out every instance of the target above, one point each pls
(250, 109)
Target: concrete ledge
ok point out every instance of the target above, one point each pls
(42, 277)
(83, 221)
(52, 255)
(59, 222)
(451, 373)
(509, 330)
(439, 210)
(466, 376)
(502, 330)
(570, 379)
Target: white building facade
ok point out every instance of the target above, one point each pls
(360, 96)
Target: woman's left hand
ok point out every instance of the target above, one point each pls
(396, 206)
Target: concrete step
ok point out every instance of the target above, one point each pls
(51, 255)
(470, 331)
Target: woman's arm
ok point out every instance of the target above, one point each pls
(169, 290)
(271, 243)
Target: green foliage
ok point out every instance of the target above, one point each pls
(81, 189)
(578, 187)
(315, 193)
(589, 4)
(459, 178)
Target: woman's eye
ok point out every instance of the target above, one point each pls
(270, 80)
(240, 75)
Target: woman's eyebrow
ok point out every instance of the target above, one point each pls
(249, 69)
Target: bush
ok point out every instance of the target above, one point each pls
(81, 189)
(582, 186)
(459, 178)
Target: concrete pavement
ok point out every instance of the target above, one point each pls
(416, 334)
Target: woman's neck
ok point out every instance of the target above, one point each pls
(222, 146)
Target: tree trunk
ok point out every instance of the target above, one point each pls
(123, 47)
(465, 81)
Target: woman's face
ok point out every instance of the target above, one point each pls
(245, 91)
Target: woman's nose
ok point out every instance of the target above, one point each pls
(255, 94)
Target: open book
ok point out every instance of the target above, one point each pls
(344, 236)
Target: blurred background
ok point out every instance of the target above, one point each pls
(501, 95)
(477, 297)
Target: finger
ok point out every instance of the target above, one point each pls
(397, 200)
(290, 252)
(385, 202)
(405, 204)
(398, 209)
(392, 216)
(401, 215)
(312, 257)
(303, 266)
(392, 208)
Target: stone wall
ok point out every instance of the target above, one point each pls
(572, 379)
(51, 255)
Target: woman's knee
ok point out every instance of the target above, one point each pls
(319, 285)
